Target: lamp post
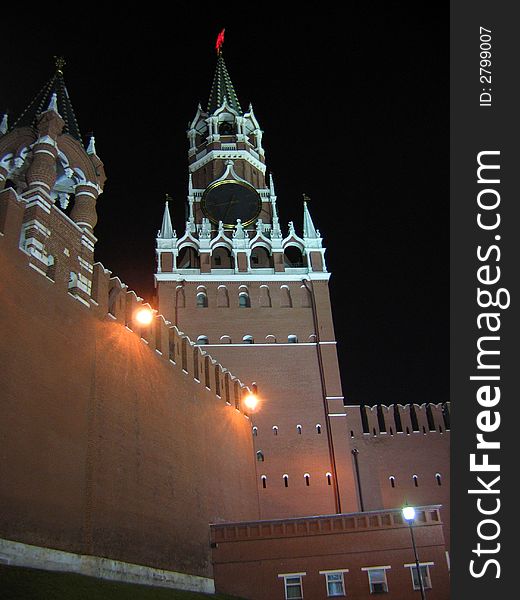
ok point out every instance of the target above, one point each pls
(409, 517)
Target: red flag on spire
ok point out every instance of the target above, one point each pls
(220, 41)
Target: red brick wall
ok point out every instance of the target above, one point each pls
(249, 557)
(289, 386)
(108, 448)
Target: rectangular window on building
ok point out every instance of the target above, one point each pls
(335, 584)
(425, 574)
(293, 585)
(377, 579)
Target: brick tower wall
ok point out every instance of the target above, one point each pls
(112, 445)
(289, 384)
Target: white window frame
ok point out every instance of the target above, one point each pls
(335, 572)
(285, 577)
(379, 568)
(426, 584)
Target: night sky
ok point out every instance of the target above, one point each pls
(354, 105)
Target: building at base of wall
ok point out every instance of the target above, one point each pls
(49, 559)
(354, 555)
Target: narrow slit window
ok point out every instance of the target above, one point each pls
(275, 430)
(329, 478)
(307, 478)
(255, 431)
(299, 429)
(438, 478)
(286, 480)
(264, 481)
(415, 481)
(260, 456)
(392, 481)
(318, 428)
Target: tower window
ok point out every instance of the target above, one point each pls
(292, 339)
(264, 481)
(260, 456)
(275, 430)
(438, 478)
(415, 481)
(307, 478)
(299, 429)
(392, 481)
(202, 300)
(255, 431)
(329, 478)
(318, 428)
(248, 339)
(202, 340)
(243, 300)
(286, 480)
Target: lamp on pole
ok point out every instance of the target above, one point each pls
(409, 517)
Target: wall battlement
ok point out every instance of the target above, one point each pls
(398, 419)
(107, 296)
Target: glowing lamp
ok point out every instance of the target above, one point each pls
(144, 316)
(409, 513)
(251, 402)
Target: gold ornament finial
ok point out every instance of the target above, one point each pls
(59, 61)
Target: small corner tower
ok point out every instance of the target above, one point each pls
(257, 293)
(44, 164)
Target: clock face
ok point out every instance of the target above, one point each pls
(230, 200)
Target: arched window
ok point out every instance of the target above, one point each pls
(286, 480)
(438, 478)
(392, 481)
(222, 297)
(285, 297)
(264, 481)
(255, 431)
(292, 339)
(225, 339)
(307, 478)
(202, 340)
(270, 339)
(226, 128)
(275, 430)
(415, 480)
(318, 428)
(265, 296)
(202, 300)
(306, 301)
(293, 257)
(248, 339)
(299, 429)
(329, 478)
(221, 258)
(188, 258)
(260, 258)
(243, 300)
(260, 456)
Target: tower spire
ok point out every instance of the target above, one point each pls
(222, 88)
(44, 101)
(166, 232)
(309, 231)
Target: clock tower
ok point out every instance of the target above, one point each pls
(256, 296)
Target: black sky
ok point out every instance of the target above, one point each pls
(354, 106)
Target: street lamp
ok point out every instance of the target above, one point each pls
(409, 517)
(144, 316)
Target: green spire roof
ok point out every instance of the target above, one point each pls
(55, 85)
(222, 88)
